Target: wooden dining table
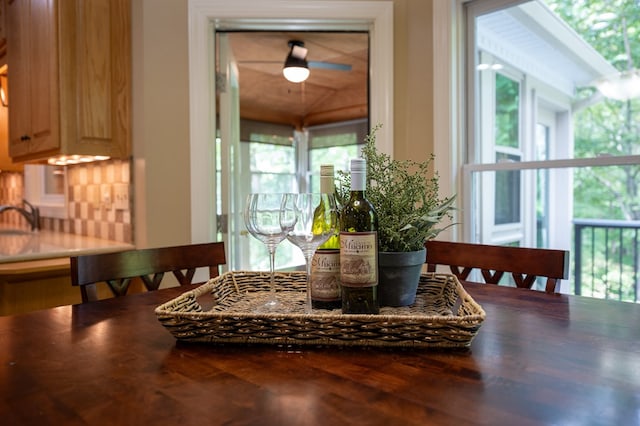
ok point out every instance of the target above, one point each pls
(537, 359)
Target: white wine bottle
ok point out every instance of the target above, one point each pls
(325, 265)
(359, 247)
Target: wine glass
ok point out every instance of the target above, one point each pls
(315, 222)
(262, 219)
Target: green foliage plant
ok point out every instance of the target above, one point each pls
(405, 197)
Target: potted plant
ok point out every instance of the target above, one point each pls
(410, 211)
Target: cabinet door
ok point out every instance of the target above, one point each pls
(95, 82)
(3, 26)
(70, 78)
(18, 70)
(6, 164)
(33, 77)
(43, 76)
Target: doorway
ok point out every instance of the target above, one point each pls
(273, 134)
(208, 18)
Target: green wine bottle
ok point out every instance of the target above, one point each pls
(359, 247)
(325, 265)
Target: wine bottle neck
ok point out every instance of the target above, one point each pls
(358, 182)
(327, 186)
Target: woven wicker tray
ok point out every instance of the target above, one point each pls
(222, 311)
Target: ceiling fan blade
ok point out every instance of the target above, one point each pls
(260, 62)
(312, 64)
(329, 66)
(299, 52)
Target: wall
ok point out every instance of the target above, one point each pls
(161, 106)
(161, 167)
(423, 87)
(85, 217)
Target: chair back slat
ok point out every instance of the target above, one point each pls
(524, 264)
(117, 269)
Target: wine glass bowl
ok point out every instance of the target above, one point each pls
(312, 219)
(262, 218)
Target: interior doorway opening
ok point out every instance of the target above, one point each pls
(274, 134)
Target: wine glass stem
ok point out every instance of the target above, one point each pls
(308, 305)
(272, 268)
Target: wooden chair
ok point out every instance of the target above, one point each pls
(524, 264)
(117, 269)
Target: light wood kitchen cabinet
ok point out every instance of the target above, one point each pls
(6, 164)
(3, 27)
(70, 78)
(40, 284)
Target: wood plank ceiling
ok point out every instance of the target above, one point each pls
(327, 96)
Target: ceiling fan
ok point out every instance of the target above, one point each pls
(298, 50)
(296, 66)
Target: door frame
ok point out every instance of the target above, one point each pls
(205, 16)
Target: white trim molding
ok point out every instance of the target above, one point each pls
(207, 15)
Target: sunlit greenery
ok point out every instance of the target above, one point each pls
(608, 127)
(507, 111)
(339, 156)
(272, 170)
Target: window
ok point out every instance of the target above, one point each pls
(270, 152)
(335, 144)
(548, 154)
(507, 192)
(507, 147)
(281, 159)
(45, 187)
(507, 112)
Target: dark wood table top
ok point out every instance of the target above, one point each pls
(537, 359)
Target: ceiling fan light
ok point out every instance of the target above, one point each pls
(296, 68)
(295, 74)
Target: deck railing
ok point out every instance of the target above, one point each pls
(607, 259)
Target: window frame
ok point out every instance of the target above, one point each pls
(288, 256)
(469, 104)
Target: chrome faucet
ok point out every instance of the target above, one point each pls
(31, 213)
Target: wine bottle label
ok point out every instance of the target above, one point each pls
(325, 275)
(359, 259)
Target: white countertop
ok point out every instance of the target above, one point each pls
(22, 245)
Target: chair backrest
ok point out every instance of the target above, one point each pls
(117, 269)
(524, 264)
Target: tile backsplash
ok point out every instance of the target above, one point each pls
(93, 190)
